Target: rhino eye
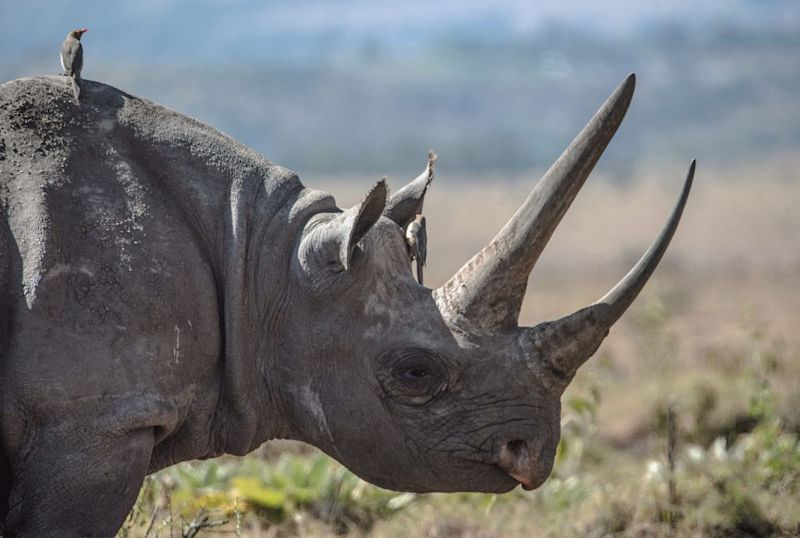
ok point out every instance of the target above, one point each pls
(412, 376)
(417, 372)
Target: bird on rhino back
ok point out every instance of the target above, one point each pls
(168, 294)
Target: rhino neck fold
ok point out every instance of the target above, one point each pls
(259, 247)
(246, 212)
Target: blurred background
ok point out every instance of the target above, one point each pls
(686, 420)
(369, 86)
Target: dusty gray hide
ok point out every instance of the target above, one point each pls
(167, 294)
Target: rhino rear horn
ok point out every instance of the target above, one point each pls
(406, 203)
(358, 220)
(565, 344)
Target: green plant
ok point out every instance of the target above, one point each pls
(200, 492)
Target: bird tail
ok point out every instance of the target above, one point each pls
(76, 88)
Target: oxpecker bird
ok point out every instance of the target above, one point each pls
(417, 243)
(405, 208)
(72, 59)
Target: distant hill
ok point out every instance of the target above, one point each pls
(329, 87)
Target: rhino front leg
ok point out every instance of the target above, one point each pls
(73, 482)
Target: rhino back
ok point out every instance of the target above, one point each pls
(113, 291)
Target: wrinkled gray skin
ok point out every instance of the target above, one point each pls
(168, 294)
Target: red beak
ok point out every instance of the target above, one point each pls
(84, 30)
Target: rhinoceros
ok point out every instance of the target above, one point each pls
(167, 294)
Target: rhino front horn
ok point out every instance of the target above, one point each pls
(486, 293)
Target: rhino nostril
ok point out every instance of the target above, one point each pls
(517, 447)
(514, 455)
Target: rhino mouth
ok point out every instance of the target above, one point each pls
(526, 483)
(515, 463)
(502, 480)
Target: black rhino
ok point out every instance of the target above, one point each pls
(166, 294)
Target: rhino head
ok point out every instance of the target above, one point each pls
(441, 390)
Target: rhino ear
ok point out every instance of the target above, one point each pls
(406, 203)
(358, 220)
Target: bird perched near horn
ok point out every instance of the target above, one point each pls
(417, 243)
(72, 59)
(405, 208)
